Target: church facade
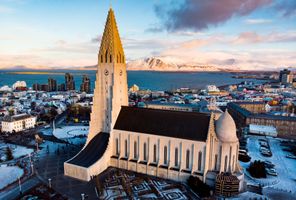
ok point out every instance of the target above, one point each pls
(162, 143)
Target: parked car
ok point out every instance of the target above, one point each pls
(291, 156)
(268, 164)
(272, 173)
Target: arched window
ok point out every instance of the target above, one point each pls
(119, 57)
(225, 164)
(199, 160)
(117, 147)
(187, 159)
(106, 56)
(230, 155)
(165, 155)
(216, 162)
(233, 163)
(176, 157)
(122, 59)
(125, 148)
(145, 151)
(135, 150)
(154, 153)
(110, 58)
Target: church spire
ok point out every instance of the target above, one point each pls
(111, 50)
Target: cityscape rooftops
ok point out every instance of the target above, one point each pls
(16, 117)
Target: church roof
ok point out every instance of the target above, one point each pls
(176, 124)
(111, 43)
(92, 152)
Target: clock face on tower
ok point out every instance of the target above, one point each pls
(106, 72)
(120, 73)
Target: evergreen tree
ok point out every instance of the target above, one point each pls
(9, 155)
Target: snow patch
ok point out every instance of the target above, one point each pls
(9, 174)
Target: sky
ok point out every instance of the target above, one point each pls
(237, 34)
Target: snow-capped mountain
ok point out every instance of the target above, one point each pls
(165, 64)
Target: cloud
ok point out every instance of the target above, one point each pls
(258, 21)
(286, 7)
(275, 37)
(200, 14)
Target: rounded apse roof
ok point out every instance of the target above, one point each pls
(225, 128)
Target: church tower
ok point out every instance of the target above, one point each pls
(111, 81)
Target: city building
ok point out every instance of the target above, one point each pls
(163, 143)
(246, 113)
(52, 85)
(62, 87)
(17, 123)
(19, 85)
(286, 76)
(36, 87)
(173, 106)
(85, 85)
(69, 82)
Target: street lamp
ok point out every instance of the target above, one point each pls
(20, 185)
(49, 182)
(82, 196)
(31, 163)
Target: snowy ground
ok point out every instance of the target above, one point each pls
(18, 151)
(285, 182)
(9, 174)
(67, 132)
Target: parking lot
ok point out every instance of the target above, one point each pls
(281, 171)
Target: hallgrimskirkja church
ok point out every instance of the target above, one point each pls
(167, 144)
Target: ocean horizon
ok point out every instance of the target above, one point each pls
(144, 79)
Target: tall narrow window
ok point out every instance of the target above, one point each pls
(176, 157)
(199, 160)
(125, 148)
(154, 153)
(230, 155)
(225, 164)
(135, 150)
(216, 162)
(233, 163)
(165, 155)
(106, 56)
(117, 147)
(187, 159)
(145, 151)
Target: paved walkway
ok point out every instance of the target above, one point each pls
(51, 165)
(14, 192)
